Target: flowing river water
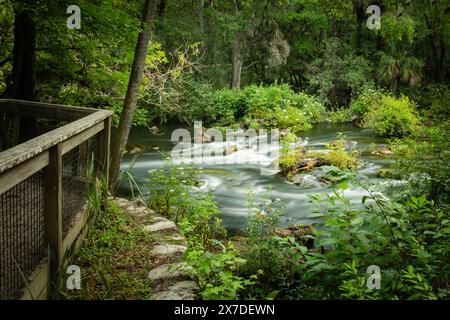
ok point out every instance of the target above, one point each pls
(231, 183)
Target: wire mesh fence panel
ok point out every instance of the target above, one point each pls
(22, 244)
(78, 172)
(10, 127)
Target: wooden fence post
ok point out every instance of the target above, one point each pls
(53, 211)
(104, 141)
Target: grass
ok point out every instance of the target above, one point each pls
(114, 259)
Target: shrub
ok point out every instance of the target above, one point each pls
(169, 188)
(408, 241)
(311, 106)
(437, 104)
(423, 161)
(342, 159)
(392, 117)
(259, 99)
(217, 272)
(290, 118)
(219, 107)
(339, 116)
(366, 100)
(267, 254)
(201, 222)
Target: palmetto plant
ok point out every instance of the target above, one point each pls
(398, 69)
(396, 65)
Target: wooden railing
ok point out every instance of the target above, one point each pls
(41, 158)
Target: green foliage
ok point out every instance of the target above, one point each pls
(339, 116)
(290, 118)
(277, 106)
(423, 161)
(6, 41)
(407, 241)
(201, 222)
(274, 106)
(392, 117)
(80, 67)
(339, 74)
(114, 259)
(267, 254)
(169, 188)
(367, 99)
(342, 159)
(218, 272)
(220, 107)
(435, 102)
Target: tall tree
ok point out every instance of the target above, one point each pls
(237, 59)
(129, 106)
(22, 85)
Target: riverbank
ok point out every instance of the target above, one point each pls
(133, 253)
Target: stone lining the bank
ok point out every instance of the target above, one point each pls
(172, 279)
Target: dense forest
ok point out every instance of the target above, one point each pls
(376, 68)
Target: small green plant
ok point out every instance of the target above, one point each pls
(218, 271)
(201, 223)
(169, 188)
(268, 255)
(127, 175)
(423, 161)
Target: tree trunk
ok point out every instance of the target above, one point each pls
(359, 9)
(23, 76)
(202, 16)
(129, 106)
(237, 62)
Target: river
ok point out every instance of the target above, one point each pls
(231, 183)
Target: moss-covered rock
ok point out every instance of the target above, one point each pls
(303, 161)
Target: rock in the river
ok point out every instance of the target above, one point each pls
(306, 165)
(383, 152)
(231, 149)
(298, 231)
(305, 180)
(136, 149)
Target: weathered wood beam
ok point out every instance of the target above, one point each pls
(81, 137)
(18, 154)
(104, 145)
(44, 110)
(53, 210)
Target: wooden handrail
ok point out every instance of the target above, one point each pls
(27, 150)
(44, 110)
